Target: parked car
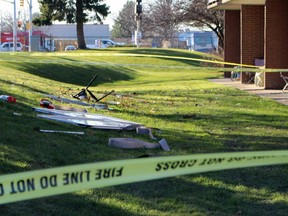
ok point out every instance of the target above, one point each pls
(8, 47)
(104, 43)
(70, 47)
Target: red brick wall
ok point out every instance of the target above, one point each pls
(252, 35)
(276, 47)
(232, 38)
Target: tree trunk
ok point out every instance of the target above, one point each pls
(80, 36)
(220, 37)
(80, 25)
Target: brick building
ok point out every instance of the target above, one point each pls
(256, 31)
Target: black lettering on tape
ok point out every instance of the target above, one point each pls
(108, 173)
(118, 172)
(175, 164)
(44, 182)
(167, 165)
(98, 174)
(236, 159)
(50, 181)
(1, 190)
(183, 163)
(65, 179)
(22, 186)
(258, 157)
(192, 163)
(76, 177)
(158, 167)
(211, 161)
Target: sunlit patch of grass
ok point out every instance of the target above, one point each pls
(171, 95)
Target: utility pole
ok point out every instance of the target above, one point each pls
(1, 28)
(30, 25)
(14, 29)
(138, 10)
(14, 25)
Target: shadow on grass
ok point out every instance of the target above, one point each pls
(77, 74)
(211, 193)
(219, 193)
(207, 195)
(68, 205)
(164, 52)
(172, 53)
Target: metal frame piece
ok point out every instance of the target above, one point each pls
(82, 95)
(285, 78)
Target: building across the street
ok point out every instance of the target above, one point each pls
(202, 41)
(64, 34)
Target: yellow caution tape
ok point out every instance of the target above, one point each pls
(238, 67)
(188, 58)
(53, 181)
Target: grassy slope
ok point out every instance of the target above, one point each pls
(195, 116)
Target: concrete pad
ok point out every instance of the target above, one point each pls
(277, 95)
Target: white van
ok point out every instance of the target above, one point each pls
(104, 43)
(8, 47)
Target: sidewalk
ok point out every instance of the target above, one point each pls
(277, 95)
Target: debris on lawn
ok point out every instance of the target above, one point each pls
(82, 99)
(82, 95)
(57, 131)
(163, 143)
(80, 117)
(49, 105)
(46, 104)
(144, 130)
(87, 119)
(77, 102)
(8, 98)
(131, 143)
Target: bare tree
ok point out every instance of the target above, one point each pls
(7, 23)
(163, 16)
(158, 19)
(196, 14)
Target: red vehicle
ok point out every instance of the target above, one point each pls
(23, 38)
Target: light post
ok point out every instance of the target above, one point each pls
(14, 29)
(14, 24)
(30, 25)
(138, 10)
(1, 27)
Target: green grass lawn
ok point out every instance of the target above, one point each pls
(170, 93)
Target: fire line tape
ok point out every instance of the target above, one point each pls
(54, 181)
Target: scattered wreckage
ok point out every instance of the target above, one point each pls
(90, 120)
(81, 117)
